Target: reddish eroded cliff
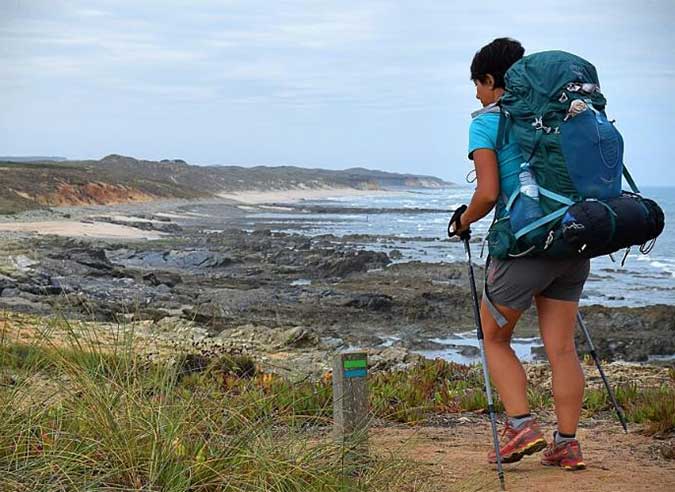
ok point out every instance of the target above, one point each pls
(94, 193)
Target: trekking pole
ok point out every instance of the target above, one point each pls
(610, 392)
(465, 236)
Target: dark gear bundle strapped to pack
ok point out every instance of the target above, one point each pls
(567, 199)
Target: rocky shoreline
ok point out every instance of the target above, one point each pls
(316, 294)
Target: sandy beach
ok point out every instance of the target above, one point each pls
(71, 228)
(120, 220)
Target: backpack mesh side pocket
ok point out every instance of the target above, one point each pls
(500, 239)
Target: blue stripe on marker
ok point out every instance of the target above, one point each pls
(356, 373)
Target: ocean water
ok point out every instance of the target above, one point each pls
(643, 280)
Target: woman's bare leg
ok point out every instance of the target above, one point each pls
(557, 322)
(505, 369)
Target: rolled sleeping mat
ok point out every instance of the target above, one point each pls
(596, 228)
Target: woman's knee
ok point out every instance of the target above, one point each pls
(496, 339)
(561, 351)
(496, 335)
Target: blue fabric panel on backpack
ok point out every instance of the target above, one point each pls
(593, 151)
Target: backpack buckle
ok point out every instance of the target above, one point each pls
(549, 239)
(587, 87)
(538, 123)
(590, 88)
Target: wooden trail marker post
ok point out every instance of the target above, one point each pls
(350, 406)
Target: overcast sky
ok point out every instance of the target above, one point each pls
(324, 83)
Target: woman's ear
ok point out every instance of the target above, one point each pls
(490, 81)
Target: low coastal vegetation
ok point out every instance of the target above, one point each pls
(78, 416)
(78, 412)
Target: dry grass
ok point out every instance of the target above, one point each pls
(76, 417)
(81, 413)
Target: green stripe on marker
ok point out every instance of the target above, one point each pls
(355, 364)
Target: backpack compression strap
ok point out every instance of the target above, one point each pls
(566, 203)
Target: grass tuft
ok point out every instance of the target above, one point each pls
(80, 417)
(78, 414)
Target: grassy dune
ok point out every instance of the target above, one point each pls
(120, 179)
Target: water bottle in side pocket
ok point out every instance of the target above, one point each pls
(526, 208)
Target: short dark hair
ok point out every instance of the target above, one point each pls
(495, 59)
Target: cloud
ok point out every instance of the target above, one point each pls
(358, 63)
(91, 13)
(327, 30)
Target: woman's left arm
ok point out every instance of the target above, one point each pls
(487, 189)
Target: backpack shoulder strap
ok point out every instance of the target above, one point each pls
(629, 180)
(502, 130)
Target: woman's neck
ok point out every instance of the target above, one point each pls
(497, 93)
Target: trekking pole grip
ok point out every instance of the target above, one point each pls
(455, 221)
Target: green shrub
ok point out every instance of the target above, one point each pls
(429, 387)
(654, 407)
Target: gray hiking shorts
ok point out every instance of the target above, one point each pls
(514, 282)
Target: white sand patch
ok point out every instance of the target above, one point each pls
(22, 262)
(80, 229)
(288, 196)
(171, 216)
(196, 214)
(130, 219)
(184, 215)
(273, 207)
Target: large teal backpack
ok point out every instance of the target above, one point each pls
(572, 158)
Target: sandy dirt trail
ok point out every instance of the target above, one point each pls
(454, 460)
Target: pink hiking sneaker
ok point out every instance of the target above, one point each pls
(566, 455)
(517, 443)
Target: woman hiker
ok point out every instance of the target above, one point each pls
(554, 284)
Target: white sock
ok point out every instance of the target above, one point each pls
(560, 439)
(518, 423)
